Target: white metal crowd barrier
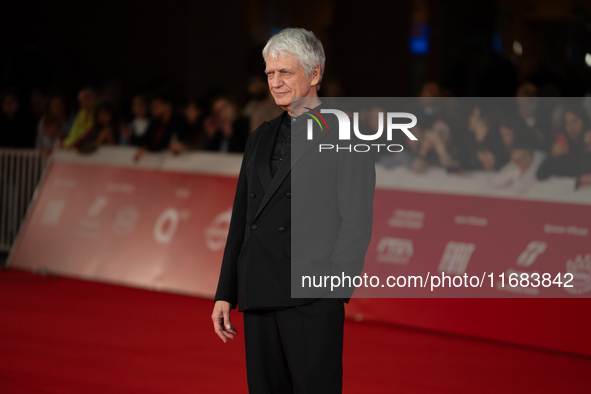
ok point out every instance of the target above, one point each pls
(20, 172)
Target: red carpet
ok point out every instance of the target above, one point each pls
(60, 335)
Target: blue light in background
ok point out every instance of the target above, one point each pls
(418, 43)
(276, 30)
(497, 44)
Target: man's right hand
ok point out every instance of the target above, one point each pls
(221, 320)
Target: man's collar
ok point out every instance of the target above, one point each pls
(302, 104)
(306, 110)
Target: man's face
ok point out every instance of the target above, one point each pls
(287, 79)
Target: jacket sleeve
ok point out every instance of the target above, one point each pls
(356, 181)
(227, 289)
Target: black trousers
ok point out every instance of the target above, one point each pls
(295, 350)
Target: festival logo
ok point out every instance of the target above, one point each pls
(216, 233)
(395, 250)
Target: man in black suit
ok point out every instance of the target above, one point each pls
(294, 339)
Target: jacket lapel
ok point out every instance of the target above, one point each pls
(298, 149)
(276, 181)
(264, 150)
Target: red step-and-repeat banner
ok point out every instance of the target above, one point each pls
(148, 228)
(163, 226)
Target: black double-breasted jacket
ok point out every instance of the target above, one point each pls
(333, 189)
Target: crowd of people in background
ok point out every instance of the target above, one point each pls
(519, 140)
(526, 141)
(155, 121)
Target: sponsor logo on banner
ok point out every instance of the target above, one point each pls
(66, 183)
(407, 219)
(471, 220)
(167, 224)
(216, 233)
(53, 212)
(126, 188)
(90, 225)
(395, 250)
(456, 257)
(97, 206)
(531, 253)
(125, 220)
(580, 267)
(182, 193)
(568, 230)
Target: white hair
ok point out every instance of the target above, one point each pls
(301, 44)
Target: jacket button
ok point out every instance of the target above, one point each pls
(252, 195)
(288, 195)
(254, 227)
(281, 229)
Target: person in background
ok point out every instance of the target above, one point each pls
(39, 102)
(166, 131)
(84, 119)
(528, 111)
(331, 87)
(225, 131)
(193, 113)
(511, 128)
(105, 129)
(113, 93)
(436, 148)
(568, 156)
(54, 124)
(584, 180)
(427, 107)
(134, 131)
(261, 107)
(482, 148)
(519, 174)
(17, 128)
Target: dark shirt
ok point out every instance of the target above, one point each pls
(282, 143)
(288, 127)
